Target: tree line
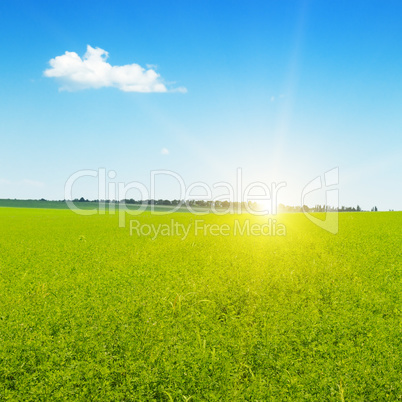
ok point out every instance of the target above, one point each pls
(227, 204)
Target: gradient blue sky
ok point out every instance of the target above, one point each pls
(285, 90)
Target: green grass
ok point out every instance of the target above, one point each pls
(9, 203)
(88, 312)
(90, 205)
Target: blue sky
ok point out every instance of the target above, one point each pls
(285, 90)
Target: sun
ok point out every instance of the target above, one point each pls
(262, 206)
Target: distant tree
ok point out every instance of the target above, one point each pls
(225, 204)
(218, 204)
(358, 208)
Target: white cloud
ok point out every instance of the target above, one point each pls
(22, 183)
(32, 183)
(92, 71)
(274, 98)
(165, 151)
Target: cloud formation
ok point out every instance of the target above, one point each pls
(32, 183)
(23, 183)
(165, 151)
(92, 71)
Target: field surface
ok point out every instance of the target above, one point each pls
(90, 205)
(89, 311)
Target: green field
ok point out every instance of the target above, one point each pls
(79, 205)
(90, 312)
